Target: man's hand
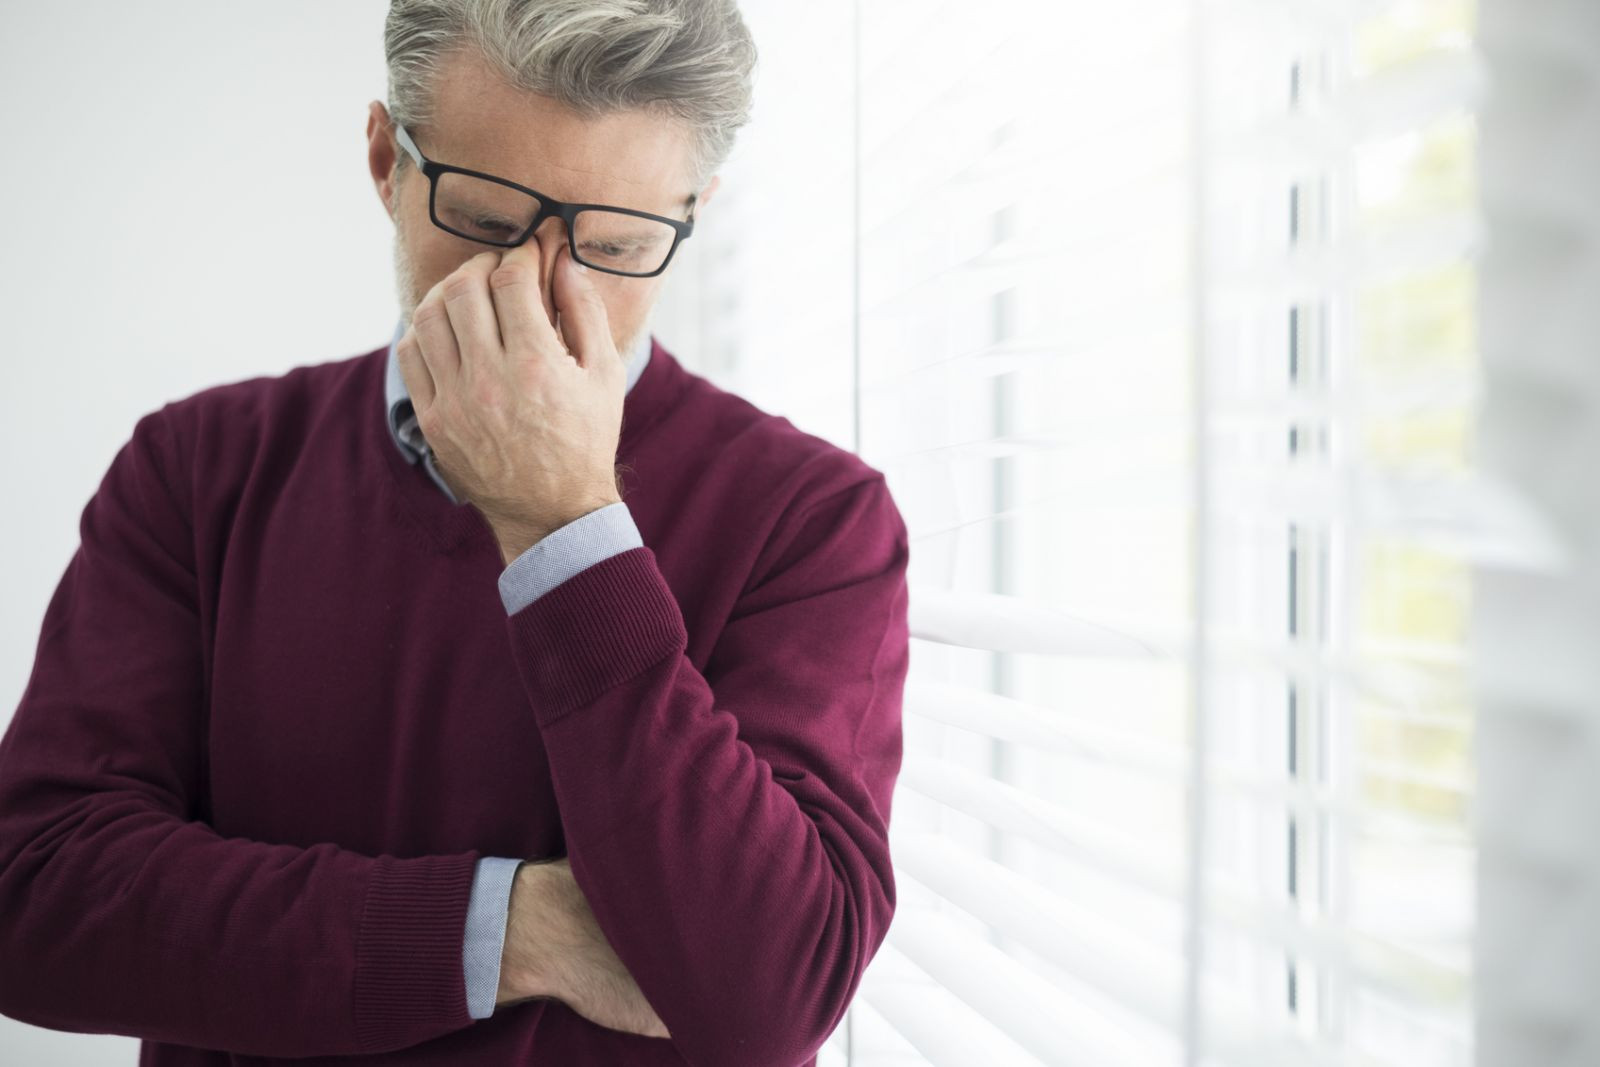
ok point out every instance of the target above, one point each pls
(524, 422)
(554, 948)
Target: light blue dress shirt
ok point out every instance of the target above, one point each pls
(580, 543)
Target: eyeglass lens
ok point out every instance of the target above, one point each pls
(608, 240)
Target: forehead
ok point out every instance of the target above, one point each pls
(634, 158)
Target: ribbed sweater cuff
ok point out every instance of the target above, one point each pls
(595, 630)
(409, 985)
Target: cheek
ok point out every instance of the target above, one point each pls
(626, 301)
(437, 255)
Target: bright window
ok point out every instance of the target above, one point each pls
(966, 247)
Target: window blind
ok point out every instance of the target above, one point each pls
(1161, 319)
(1536, 628)
(1337, 267)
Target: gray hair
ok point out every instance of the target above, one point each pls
(690, 59)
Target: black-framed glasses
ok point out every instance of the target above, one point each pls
(494, 211)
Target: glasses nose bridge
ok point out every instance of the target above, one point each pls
(549, 210)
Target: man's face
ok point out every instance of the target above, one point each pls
(632, 159)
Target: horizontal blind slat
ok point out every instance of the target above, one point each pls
(1118, 856)
(1006, 900)
(1003, 990)
(1042, 731)
(940, 1025)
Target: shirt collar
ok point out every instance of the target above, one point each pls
(397, 399)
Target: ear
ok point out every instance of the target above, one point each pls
(705, 197)
(381, 153)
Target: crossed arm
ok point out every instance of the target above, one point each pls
(555, 948)
(743, 875)
(742, 879)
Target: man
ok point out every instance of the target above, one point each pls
(507, 694)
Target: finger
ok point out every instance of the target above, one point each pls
(584, 322)
(414, 372)
(471, 311)
(525, 326)
(545, 296)
(435, 339)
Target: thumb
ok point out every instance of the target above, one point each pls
(584, 325)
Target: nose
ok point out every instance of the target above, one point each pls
(550, 235)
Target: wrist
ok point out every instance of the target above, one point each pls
(541, 941)
(517, 535)
(524, 974)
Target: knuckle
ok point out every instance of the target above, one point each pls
(426, 311)
(434, 291)
(458, 285)
(508, 274)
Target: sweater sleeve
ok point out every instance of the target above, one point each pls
(566, 551)
(730, 829)
(121, 912)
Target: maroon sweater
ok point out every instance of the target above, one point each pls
(278, 712)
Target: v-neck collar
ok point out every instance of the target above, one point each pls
(456, 529)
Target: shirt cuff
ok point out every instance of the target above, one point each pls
(579, 544)
(488, 908)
